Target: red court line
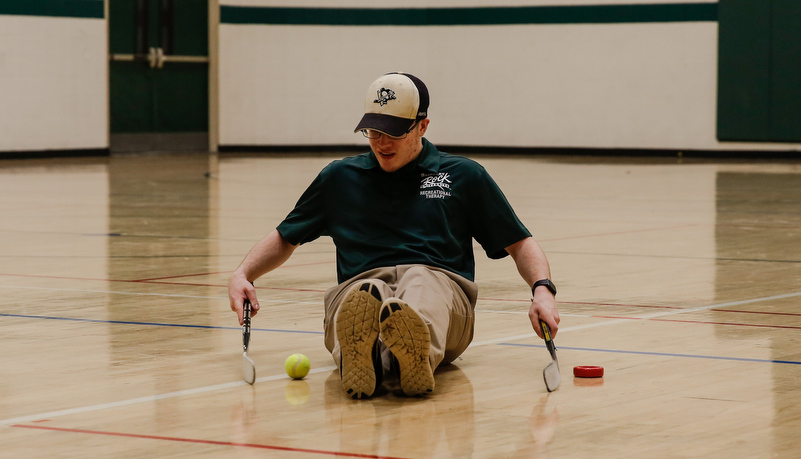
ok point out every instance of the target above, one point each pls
(298, 265)
(616, 233)
(520, 300)
(225, 286)
(590, 303)
(179, 277)
(37, 276)
(148, 281)
(190, 284)
(701, 322)
(205, 442)
(758, 312)
(621, 305)
(789, 327)
(128, 281)
(228, 272)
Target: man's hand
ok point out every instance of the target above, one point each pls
(269, 253)
(543, 307)
(240, 289)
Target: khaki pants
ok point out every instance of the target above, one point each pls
(445, 301)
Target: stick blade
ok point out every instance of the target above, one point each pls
(248, 368)
(551, 376)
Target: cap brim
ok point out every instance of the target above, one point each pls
(388, 124)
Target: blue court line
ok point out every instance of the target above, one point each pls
(662, 354)
(211, 327)
(156, 324)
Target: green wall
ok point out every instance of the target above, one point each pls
(759, 71)
(58, 8)
(581, 14)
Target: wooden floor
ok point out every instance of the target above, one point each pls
(681, 278)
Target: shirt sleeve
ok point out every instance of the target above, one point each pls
(495, 224)
(307, 221)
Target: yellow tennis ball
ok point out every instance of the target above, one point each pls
(297, 366)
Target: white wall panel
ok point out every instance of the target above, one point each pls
(619, 85)
(53, 83)
(629, 85)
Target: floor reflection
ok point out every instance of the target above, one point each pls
(758, 238)
(543, 422)
(159, 209)
(443, 424)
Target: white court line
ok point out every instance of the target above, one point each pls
(645, 317)
(151, 398)
(200, 390)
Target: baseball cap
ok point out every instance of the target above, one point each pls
(394, 103)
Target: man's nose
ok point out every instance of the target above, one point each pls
(384, 139)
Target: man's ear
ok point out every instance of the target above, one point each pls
(424, 126)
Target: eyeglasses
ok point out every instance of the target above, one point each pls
(372, 134)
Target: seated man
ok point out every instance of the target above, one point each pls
(402, 218)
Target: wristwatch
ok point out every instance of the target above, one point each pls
(547, 283)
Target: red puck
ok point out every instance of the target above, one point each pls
(588, 371)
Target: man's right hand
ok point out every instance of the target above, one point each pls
(239, 290)
(269, 253)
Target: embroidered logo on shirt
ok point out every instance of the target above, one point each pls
(384, 95)
(435, 186)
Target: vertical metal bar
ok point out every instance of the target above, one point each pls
(214, 75)
(141, 26)
(106, 14)
(167, 26)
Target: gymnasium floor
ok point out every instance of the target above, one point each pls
(681, 278)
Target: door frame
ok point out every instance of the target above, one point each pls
(213, 76)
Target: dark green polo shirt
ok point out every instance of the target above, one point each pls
(427, 213)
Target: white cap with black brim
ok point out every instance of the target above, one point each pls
(394, 103)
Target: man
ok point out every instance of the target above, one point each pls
(402, 218)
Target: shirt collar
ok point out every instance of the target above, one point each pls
(428, 159)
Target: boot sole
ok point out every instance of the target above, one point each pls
(357, 331)
(407, 337)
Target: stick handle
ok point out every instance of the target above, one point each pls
(546, 332)
(246, 325)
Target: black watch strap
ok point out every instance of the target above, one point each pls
(547, 283)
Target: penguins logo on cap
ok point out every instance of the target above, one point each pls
(384, 95)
